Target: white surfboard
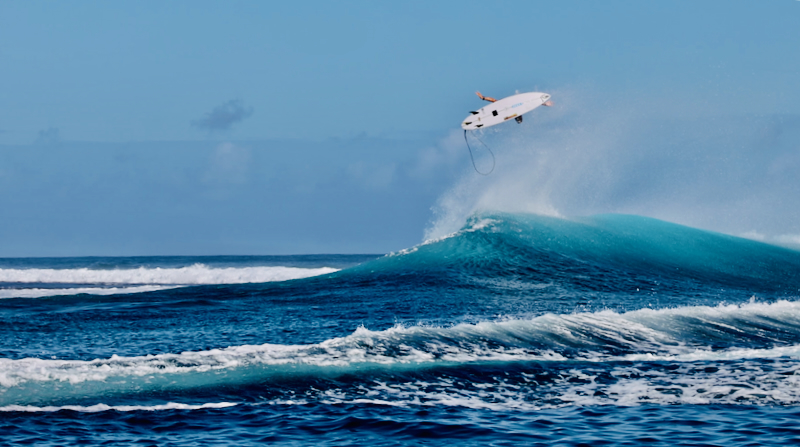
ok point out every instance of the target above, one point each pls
(504, 109)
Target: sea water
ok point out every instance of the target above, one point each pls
(606, 330)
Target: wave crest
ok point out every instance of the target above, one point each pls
(679, 334)
(195, 274)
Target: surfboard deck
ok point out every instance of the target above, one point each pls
(503, 110)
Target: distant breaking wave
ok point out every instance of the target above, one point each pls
(103, 407)
(38, 293)
(195, 274)
(140, 279)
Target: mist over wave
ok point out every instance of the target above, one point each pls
(561, 252)
(587, 155)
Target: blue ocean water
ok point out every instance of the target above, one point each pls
(605, 330)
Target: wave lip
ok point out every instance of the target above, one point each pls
(191, 275)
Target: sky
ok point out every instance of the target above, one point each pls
(243, 127)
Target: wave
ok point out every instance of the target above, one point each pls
(692, 333)
(39, 293)
(742, 383)
(190, 275)
(730, 354)
(103, 407)
(584, 253)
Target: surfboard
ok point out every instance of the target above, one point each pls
(503, 110)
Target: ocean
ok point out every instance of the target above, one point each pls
(517, 329)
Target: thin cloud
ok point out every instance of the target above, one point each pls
(223, 116)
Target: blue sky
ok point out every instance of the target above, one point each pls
(260, 128)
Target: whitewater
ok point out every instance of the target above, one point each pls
(548, 330)
(136, 280)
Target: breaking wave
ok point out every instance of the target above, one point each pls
(38, 293)
(29, 282)
(611, 344)
(194, 274)
(103, 407)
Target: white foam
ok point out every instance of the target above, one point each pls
(362, 347)
(789, 240)
(753, 235)
(191, 275)
(477, 225)
(643, 335)
(103, 407)
(709, 355)
(743, 383)
(38, 293)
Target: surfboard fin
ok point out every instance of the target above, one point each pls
(518, 119)
(473, 112)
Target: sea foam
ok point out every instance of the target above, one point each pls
(38, 293)
(682, 334)
(194, 274)
(103, 407)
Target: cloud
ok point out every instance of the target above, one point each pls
(223, 116)
(50, 135)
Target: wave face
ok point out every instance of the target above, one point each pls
(513, 318)
(532, 246)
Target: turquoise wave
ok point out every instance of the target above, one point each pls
(597, 251)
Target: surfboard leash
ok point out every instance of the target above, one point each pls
(473, 158)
